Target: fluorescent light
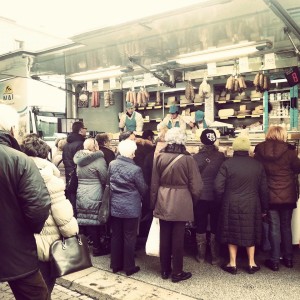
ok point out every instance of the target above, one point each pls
(216, 54)
(101, 73)
(279, 80)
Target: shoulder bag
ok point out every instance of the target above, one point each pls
(171, 164)
(104, 208)
(68, 255)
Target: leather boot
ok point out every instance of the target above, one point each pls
(214, 249)
(201, 247)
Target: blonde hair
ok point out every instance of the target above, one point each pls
(276, 133)
(90, 144)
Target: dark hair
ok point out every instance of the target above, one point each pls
(102, 138)
(77, 126)
(147, 133)
(125, 135)
(32, 145)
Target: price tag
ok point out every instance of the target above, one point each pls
(243, 64)
(211, 69)
(241, 117)
(270, 61)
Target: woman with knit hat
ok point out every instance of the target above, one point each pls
(209, 160)
(241, 185)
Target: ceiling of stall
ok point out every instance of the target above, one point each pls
(160, 39)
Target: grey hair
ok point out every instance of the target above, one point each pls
(90, 144)
(8, 117)
(127, 148)
(175, 135)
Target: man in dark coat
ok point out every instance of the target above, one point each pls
(74, 143)
(24, 208)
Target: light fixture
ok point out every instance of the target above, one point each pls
(278, 80)
(226, 52)
(101, 73)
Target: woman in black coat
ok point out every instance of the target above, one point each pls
(241, 185)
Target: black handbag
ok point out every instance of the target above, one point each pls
(69, 255)
(104, 209)
(72, 184)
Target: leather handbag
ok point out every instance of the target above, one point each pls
(104, 209)
(68, 255)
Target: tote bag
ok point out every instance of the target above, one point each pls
(68, 255)
(153, 240)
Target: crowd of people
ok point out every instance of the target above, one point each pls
(227, 199)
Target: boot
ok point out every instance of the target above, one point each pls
(214, 250)
(201, 247)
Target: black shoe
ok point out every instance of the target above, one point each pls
(287, 262)
(229, 269)
(165, 274)
(181, 276)
(271, 265)
(133, 271)
(253, 269)
(116, 270)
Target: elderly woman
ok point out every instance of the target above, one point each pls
(57, 157)
(175, 185)
(61, 219)
(243, 194)
(281, 164)
(127, 187)
(91, 173)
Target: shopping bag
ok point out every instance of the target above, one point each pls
(296, 224)
(153, 240)
(68, 255)
(104, 208)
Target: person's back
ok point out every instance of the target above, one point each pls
(24, 207)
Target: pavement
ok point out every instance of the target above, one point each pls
(208, 282)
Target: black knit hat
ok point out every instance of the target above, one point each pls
(208, 137)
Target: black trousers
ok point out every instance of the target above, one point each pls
(45, 268)
(32, 287)
(171, 245)
(94, 232)
(204, 209)
(123, 240)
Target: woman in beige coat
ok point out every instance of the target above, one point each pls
(61, 219)
(172, 195)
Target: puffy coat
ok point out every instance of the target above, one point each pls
(57, 161)
(91, 173)
(281, 164)
(241, 184)
(74, 144)
(209, 169)
(127, 186)
(173, 194)
(61, 219)
(24, 208)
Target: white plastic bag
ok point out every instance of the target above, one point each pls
(296, 224)
(153, 240)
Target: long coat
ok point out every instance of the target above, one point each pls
(92, 174)
(172, 195)
(24, 208)
(61, 219)
(127, 186)
(241, 185)
(281, 164)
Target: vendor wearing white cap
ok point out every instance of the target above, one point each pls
(131, 120)
(173, 119)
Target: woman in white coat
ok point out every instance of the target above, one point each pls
(61, 221)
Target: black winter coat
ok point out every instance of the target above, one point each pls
(74, 144)
(241, 183)
(24, 208)
(209, 160)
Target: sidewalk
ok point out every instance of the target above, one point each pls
(208, 282)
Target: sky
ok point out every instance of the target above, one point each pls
(64, 18)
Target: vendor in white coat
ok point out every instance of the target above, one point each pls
(173, 119)
(131, 120)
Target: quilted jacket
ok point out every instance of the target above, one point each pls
(172, 195)
(241, 185)
(127, 186)
(24, 208)
(92, 174)
(281, 164)
(74, 144)
(61, 219)
(209, 160)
